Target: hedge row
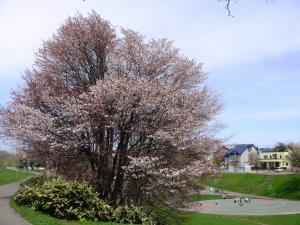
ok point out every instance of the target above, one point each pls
(75, 201)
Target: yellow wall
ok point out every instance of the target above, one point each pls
(283, 161)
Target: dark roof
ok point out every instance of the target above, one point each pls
(239, 149)
(266, 149)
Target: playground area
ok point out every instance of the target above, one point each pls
(257, 206)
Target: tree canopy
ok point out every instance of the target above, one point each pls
(294, 154)
(132, 117)
(281, 147)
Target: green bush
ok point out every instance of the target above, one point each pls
(63, 199)
(74, 201)
(37, 181)
(131, 214)
(163, 214)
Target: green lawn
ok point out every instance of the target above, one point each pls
(38, 218)
(283, 186)
(209, 197)
(278, 186)
(9, 176)
(204, 219)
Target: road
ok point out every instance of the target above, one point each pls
(7, 215)
(259, 205)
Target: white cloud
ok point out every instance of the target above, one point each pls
(201, 30)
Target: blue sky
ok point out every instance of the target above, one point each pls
(252, 60)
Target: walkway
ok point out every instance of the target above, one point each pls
(255, 207)
(7, 215)
(207, 191)
(258, 206)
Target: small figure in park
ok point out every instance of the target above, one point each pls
(240, 201)
(250, 199)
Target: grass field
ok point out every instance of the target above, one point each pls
(209, 197)
(186, 218)
(283, 186)
(278, 186)
(203, 219)
(9, 176)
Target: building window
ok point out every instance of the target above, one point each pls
(280, 156)
(265, 157)
(270, 157)
(287, 164)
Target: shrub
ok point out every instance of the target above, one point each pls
(63, 199)
(73, 200)
(37, 181)
(131, 214)
(163, 214)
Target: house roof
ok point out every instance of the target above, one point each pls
(239, 149)
(266, 149)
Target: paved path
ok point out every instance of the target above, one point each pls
(207, 191)
(255, 207)
(7, 215)
(258, 206)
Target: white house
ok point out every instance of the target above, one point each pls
(237, 158)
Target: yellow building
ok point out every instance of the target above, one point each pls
(270, 159)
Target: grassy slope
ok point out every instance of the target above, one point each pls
(38, 218)
(203, 219)
(279, 186)
(209, 197)
(9, 176)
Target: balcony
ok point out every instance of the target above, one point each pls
(272, 160)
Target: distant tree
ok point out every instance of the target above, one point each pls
(219, 156)
(3, 154)
(235, 162)
(23, 163)
(254, 159)
(281, 147)
(7, 159)
(294, 154)
(133, 117)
